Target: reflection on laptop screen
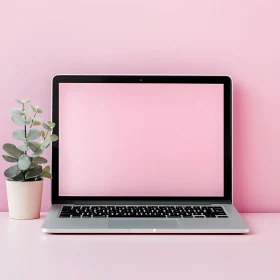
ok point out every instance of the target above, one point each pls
(140, 139)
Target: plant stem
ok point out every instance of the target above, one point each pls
(25, 134)
(40, 145)
(24, 125)
(46, 135)
(25, 137)
(33, 119)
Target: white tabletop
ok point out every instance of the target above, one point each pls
(27, 253)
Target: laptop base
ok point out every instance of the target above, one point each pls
(233, 224)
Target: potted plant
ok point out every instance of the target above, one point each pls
(25, 177)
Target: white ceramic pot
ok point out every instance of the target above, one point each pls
(24, 199)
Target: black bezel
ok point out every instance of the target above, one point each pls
(225, 80)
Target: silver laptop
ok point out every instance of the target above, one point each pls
(142, 154)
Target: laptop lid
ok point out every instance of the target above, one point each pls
(142, 139)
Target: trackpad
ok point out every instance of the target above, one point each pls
(142, 223)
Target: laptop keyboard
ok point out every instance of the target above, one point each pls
(142, 212)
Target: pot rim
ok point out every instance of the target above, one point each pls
(7, 180)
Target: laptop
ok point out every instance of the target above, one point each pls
(142, 154)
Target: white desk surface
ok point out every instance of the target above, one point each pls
(27, 253)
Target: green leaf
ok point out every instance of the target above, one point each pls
(39, 160)
(47, 127)
(37, 153)
(9, 159)
(26, 111)
(51, 124)
(35, 123)
(33, 134)
(17, 112)
(12, 150)
(43, 134)
(19, 134)
(47, 169)
(20, 120)
(45, 143)
(17, 119)
(12, 172)
(46, 175)
(53, 137)
(34, 172)
(33, 165)
(34, 146)
(36, 109)
(24, 162)
(19, 177)
(33, 108)
(23, 101)
(38, 119)
(23, 148)
(28, 121)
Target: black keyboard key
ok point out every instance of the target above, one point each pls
(64, 215)
(186, 214)
(220, 214)
(175, 214)
(97, 217)
(66, 208)
(87, 215)
(114, 215)
(67, 211)
(209, 215)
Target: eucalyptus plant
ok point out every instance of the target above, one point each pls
(26, 157)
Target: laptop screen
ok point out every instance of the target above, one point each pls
(136, 139)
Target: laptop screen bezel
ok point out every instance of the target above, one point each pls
(144, 79)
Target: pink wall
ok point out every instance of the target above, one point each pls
(240, 38)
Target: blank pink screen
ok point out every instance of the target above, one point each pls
(140, 139)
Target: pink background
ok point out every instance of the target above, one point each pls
(143, 139)
(238, 38)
